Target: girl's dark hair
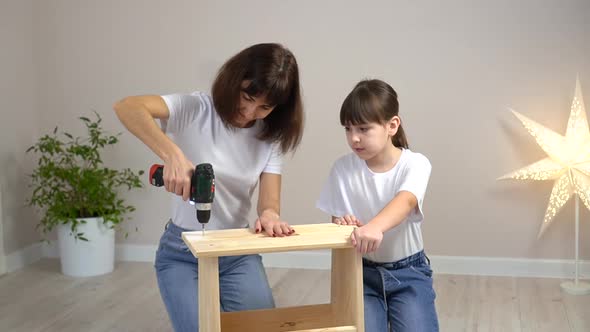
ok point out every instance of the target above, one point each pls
(372, 101)
(272, 72)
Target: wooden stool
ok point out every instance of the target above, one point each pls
(345, 313)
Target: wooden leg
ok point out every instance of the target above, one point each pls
(209, 307)
(347, 288)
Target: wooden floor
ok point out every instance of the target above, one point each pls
(39, 298)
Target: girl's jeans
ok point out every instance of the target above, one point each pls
(399, 295)
(242, 281)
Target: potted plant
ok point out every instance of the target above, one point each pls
(80, 197)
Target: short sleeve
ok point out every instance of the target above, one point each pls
(332, 198)
(415, 178)
(184, 110)
(275, 160)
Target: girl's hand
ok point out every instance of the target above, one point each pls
(348, 219)
(272, 225)
(177, 175)
(367, 238)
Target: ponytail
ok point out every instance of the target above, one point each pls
(399, 139)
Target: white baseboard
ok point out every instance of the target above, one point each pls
(511, 267)
(123, 253)
(462, 265)
(321, 259)
(505, 266)
(3, 268)
(21, 258)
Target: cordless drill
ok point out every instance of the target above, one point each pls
(202, 189)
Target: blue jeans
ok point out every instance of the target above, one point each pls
(399, 295)
(242, 281)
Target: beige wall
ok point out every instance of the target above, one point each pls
(20, 121)
(456, 67)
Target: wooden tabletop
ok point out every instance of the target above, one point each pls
(230, 242)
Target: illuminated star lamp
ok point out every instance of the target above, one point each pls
(568, 163)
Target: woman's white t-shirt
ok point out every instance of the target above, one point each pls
(238, 158)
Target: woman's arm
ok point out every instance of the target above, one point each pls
(347, 219)
(368, 237)
(137, 114)
(269, 202)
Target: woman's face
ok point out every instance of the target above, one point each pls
(251, 108)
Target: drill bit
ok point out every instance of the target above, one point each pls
(202, 224)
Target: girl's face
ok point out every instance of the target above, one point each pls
(251, 109)
(371, 139)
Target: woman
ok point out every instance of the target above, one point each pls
(253, 116)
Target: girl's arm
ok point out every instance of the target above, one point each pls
(368, 237)
(396, 211)
(269, 202)
(137, 114)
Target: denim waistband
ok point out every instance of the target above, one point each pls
(171, 227)
(416, 259)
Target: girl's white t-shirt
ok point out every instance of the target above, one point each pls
(352, 188)
(238, 158)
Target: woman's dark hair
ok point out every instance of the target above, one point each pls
(372, 101)
(272, 71)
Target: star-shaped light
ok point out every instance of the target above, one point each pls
(568, 162)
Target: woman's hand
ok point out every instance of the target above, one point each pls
(177, 175)
(367, 238)
(348, 219)
(271, 224)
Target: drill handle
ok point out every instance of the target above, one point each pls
(156, 175)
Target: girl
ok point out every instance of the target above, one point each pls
(380, 188)
(252, 117)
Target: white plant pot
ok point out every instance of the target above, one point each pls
(87, 258)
